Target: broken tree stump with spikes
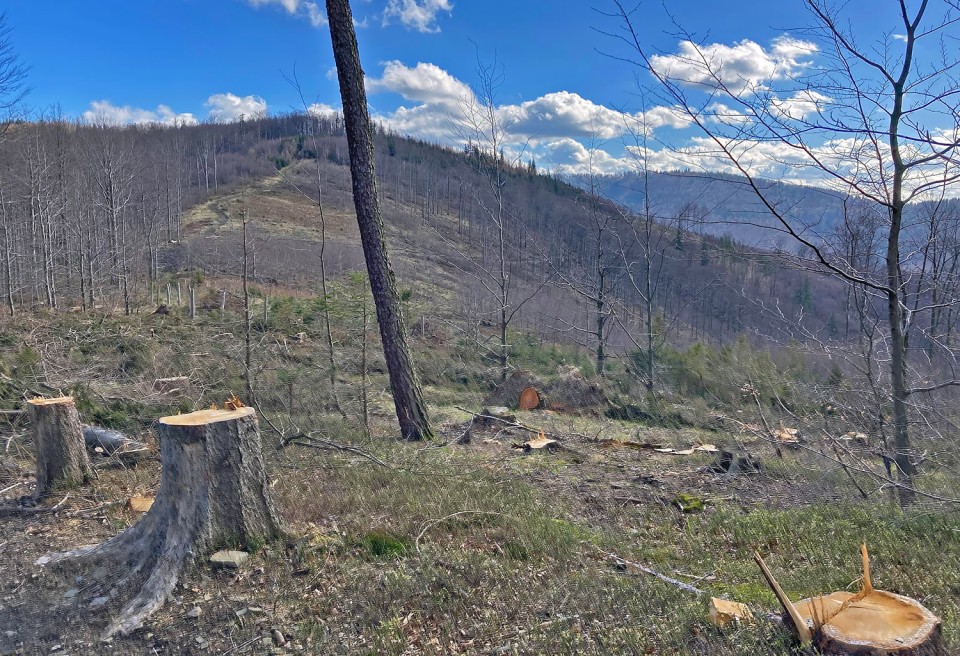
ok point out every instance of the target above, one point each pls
(58, 440)
(869, 623)
(213, 493)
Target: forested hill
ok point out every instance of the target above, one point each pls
(99, 215)
(721, 204)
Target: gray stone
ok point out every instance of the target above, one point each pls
(99, 601)
(228, 559)
(71, 593)
(194, 612)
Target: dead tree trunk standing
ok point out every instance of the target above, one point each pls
(213, 492)
(407, 396)
(58, 439)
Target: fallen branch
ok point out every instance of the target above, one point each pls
(627, 564)
(7, 489)
(19, 511)
(324, 444)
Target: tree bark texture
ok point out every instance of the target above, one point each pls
(58, 439)
(407, 395)
(213, 493)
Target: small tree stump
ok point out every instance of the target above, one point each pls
(213, 493)
(58, 440)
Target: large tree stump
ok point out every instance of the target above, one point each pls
(872, 623)
(58, 440)
(213, 492)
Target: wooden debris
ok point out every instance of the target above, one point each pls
(233, 403)
(495, 413)
(730, 463)
(723, 613)
(702, 448)
(107, 442)
(171, 385)
(139, 504)
(611, 442)
(787, 436)
(853, 436)
(803, 631)
(537, 443)
(529, 399)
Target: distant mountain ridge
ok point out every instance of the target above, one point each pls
(724, 205)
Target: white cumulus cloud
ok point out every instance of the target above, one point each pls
(226, 107)
(550, 127)
(420, 15)
(322, 109)
(105, 112)
(425, 83)
(300, 8)
(743, 67)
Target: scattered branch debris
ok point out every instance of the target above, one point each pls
(633, 567)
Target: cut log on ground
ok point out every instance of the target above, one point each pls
(529, 399)
(110, 442)
(213, 492)
(61, 455)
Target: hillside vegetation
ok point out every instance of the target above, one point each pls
(469, 543)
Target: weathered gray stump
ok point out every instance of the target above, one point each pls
(213, 492)
(58, 439)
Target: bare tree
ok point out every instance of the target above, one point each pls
(407, 395)
(864, 121)
(13, 78)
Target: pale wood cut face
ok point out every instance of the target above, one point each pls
(57, 401)
(881, 619)
(203, 417)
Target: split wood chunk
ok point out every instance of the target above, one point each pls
(58, 438)
(140, 504)
(213, 492)
(877, 623)
(723, 613)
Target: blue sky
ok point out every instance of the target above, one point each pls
(186, 60)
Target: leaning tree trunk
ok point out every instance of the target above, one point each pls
(407, 395)
(58, 438)
(213, 492)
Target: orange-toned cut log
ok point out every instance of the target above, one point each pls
(529, 399)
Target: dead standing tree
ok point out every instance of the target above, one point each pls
(864, 120)
(407, 395)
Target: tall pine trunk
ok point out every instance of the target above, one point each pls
(411, 409)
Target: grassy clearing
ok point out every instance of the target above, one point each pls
(465, 549)
(457, 556)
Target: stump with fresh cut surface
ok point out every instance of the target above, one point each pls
(870, 622)
(58, 440)
(213, 493)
